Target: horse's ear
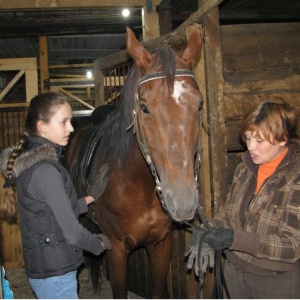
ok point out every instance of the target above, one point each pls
(139, 54)
(193, 48)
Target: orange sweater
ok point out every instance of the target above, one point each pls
(266, 170)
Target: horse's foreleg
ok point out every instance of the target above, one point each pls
(117, 263)
(160, 257)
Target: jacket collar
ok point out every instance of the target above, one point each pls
(36, 140)
(33, 156)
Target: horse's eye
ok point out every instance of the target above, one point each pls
(200, 105)
(144, 108)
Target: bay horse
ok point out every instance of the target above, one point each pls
(151, 144)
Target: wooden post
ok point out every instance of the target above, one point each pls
(44, 67)
(99, 85)
(150, 22)
(213, 66)
(32, 89)
(165, 19)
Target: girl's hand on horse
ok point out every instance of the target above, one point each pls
(100, 183)
(104, 240)
(89, 200)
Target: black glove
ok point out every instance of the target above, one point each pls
(207, 253)
(219, 238)
(104, 240)
(100, 183)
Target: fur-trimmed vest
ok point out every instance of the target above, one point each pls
(46, 248)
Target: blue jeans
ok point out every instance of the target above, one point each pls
(56, 287)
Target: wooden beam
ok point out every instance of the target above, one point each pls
(75, 98)
(213, 65)
(11, 84)
(13, 64)
(150, 24)
(74, 4)
(44, 66)
(71, 66)
(8, 105)
(205, 8)
(32, 85)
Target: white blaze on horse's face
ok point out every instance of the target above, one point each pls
(181, 88)
(178, 90)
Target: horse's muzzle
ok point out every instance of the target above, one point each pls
(181, 202)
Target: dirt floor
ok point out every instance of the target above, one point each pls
(21, 289)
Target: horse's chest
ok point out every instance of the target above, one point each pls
(150, 227)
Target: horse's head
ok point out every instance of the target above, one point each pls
(167, 119)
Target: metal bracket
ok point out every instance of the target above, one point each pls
(48, 83)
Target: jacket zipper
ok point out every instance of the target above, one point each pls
(253, 202)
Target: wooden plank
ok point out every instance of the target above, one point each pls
(13, 105)
(150, 24)
(175, 292)
(11, 84)
(13, 64)
(260, 86)
(138, 273)
(44, 68)
(74, 4)
(237, 105)
(75, 98)
(269, 51)
(82, 82)
(182, 265)
(67, 81)
(71, 66)
(99, 86)
(206, 7)
(141, 258)
(31, 82)
(213, 64)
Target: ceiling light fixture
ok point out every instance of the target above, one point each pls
(89, 74)
(125, 12)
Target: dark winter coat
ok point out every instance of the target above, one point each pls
(52, 237)
(266, 226)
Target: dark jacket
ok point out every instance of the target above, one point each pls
(266, 226)
(53, 238)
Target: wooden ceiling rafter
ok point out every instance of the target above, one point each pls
(70, 4)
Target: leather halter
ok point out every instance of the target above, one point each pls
(138, 131)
